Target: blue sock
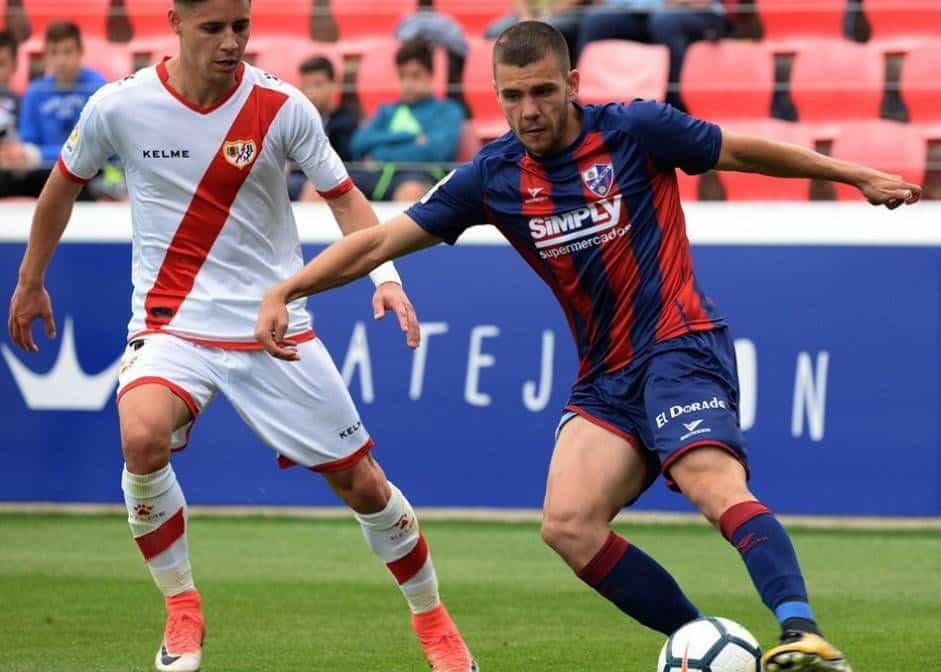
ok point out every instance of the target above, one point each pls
(638, 586)
(770, 558)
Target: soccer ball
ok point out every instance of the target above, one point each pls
(710, 645)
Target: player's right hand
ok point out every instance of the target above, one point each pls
(28, 305)
(272, 325)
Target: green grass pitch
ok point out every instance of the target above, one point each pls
(306, 595)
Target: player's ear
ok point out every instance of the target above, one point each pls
(571, 84)
(176, 21)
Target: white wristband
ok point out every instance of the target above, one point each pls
(384, 273)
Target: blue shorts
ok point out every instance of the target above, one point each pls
(681, 395)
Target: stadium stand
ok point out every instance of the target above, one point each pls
(282, 17)
(835, 79)
(486, 114)
(358, 19)
(474, 17)
(728, 80)
(921, 82)
(376, 79)
(148, 18)
(893, 147)
(617, 70)
(470, 143)
(903, 18)
(109, 59)
(89, 15)
(283, 55)
(801, 18)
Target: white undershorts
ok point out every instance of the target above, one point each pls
(301, 409)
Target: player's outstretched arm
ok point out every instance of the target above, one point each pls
(753, 154)
(351, 257)
(30, 300)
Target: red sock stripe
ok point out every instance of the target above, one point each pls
(604, 561)
(154, 543)
(739, 514)
(411, 563)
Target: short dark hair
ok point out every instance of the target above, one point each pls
(318, 64)
(59, 31)
(415, 50)
(530, 41)
(8, 41)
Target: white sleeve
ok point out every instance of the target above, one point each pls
(88, 146)
(309, 148)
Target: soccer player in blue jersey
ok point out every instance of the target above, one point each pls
(588, 196)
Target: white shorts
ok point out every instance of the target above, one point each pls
(301, 409)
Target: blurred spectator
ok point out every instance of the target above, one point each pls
(564, 15)
(52, 104)
(9, 101)
(418, 128)
(674, 23)
(318, 82)
(443, 31)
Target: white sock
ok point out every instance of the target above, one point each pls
(394, 536)
(156, 512)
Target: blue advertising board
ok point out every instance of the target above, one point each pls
(838, 346)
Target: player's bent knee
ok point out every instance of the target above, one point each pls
(566, 532)
(363, 487)
(146, 448)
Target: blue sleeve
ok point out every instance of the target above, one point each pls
(673, 139)
(451, 206)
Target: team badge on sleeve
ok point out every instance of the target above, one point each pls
(72, 142)
(240, 153)
(599, 178)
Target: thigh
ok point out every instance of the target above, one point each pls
(594, 472)
(163, 384)
(301, 409)
(691, 398)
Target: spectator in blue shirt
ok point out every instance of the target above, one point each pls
(418, 129)
(53, 103)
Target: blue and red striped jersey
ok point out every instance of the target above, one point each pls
(599, 221)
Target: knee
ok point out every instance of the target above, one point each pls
(712, 481)
(363, 487)
(567, 533)
(146, 447)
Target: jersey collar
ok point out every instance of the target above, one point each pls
(164, 76)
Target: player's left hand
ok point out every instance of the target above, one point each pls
(272, 325)
(391, 296)
(888, 190)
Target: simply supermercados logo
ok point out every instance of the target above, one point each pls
(578, 229)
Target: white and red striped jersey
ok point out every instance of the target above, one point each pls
(212, 222)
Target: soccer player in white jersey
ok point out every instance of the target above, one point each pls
(205, 138)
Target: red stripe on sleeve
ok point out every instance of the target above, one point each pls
(68, 174)
(209, 209)
(619, 261)
(154, 543)
(342, 188)
(411, 563)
